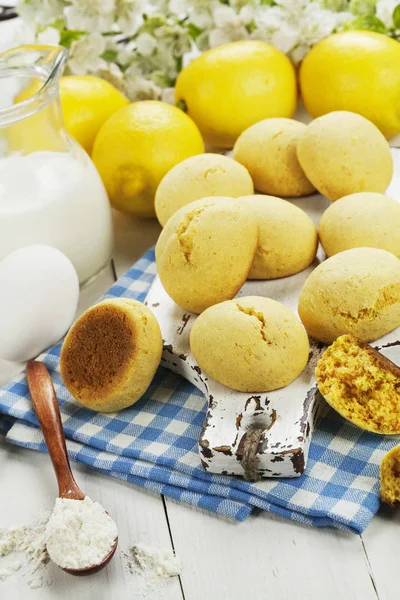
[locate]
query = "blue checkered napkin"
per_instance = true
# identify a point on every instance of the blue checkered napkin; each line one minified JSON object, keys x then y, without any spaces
{"x":154,"y":444}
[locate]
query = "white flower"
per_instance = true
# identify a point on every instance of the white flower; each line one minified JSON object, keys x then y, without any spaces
{"x":146,"y":44}
{"x":285,"y":38}
{"x":384,"y":11}
{"x":85,"y":54}
{"x":316,"y":23}
{"x":50,"y":35}
{"x":201,"y":19}
{"x":230,"y":26}
{"x":137,"y":87}
{"x":177,"y":7}
{"x":168,"y":95}
{"x":113,"y":74}
{"x":128,"y":15}
{"x":40,"y":11}
{"x":90,"y":15}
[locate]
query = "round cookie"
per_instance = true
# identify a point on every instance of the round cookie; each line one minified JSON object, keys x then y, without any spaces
{"x":356,"y":291}
{"x":205,"y":251}
{"x":197,"y":177}
{"x":366,"y":219}
{"x":250,"y":344}
{"x":110,"y":354}
{"x":288,"y":237}
{"x":268,"y":150}
{"x":343,"y":153}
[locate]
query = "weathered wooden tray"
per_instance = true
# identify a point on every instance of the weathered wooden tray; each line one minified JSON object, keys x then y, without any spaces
{"x":261,"y":434}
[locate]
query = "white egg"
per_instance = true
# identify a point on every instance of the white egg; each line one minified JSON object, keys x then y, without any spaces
{"x":39,"y":292}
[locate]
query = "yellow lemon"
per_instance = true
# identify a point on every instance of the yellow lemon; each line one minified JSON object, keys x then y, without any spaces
{"x":87,"y":103}
{"x":229,"y":88}
{"x":137,"y":146}
{"x":357,"y":71}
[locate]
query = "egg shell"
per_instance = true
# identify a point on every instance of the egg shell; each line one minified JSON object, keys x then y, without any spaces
{"x":39,"y":292}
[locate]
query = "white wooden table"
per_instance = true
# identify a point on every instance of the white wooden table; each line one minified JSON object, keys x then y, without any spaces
{"x":263,"y":558}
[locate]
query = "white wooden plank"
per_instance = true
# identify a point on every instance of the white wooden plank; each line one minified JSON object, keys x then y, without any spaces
{"x":133,"y":238}
{"x":28,"y":487}
{"x":266,"y":557}
{"x":382,"y":545}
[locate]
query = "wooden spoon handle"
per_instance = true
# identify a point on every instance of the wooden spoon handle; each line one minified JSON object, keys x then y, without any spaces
{"x":48,"y":412}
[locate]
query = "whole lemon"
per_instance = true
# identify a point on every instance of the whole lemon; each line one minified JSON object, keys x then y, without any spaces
{"x":88,"y":102}
{"x":229,"y":88}
{"x":356,"y":71}
{"x":137,"y":146}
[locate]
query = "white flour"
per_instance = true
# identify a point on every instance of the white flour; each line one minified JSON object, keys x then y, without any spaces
{"x":154,"y":565}
{"x":79,"y":533}
{"x":24,"y":548}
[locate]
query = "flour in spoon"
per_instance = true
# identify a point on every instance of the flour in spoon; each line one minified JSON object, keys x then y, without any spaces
{"x":79,"y":533}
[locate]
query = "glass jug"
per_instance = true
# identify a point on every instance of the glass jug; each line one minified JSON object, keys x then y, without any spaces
{"x":50,"y":191}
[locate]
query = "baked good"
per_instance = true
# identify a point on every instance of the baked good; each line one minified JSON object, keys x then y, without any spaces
{"x":288,"y":237}
{"x":250,"y":344}
{"x":356,"y":291}
{"x":268,"y":150}
{"x":197,"y":177}
{"x":205,"y":252}
{"x":343,"y":153}
{"x":363,"y":219}
{"x":390,"y":477}
{"x":110,"y":354}
{"x":361,"y":384}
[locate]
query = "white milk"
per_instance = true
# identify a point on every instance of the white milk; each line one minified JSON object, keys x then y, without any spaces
{"x":58,"y":199}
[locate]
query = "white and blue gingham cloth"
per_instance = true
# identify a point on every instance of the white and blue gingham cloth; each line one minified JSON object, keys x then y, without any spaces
{"x":154,"y":444}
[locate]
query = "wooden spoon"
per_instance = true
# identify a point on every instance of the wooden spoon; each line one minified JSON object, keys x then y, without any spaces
{"x":48,"y":413}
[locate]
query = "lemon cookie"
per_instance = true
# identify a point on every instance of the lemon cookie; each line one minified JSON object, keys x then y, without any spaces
{"x":343,"y":153}
{"x":110,"y":354}
{"x":356,"y":291}
{"x":199,"y":177}
{"x":205,"y":252}
{"x":250,"y":344}
{"x":390,"y":477}
{"x":364,"y":219}
{"x":288,"y":238}
{"x":268,"y":150}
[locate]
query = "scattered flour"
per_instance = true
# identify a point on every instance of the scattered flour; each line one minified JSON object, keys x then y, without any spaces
{"x":154,"y":565}
{"x":23,"y":548}
{"x":79,"y":533}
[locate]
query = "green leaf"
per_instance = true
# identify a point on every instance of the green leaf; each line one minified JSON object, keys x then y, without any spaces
{"x":67,"y":36}
{"x":396,"y":17}
{"x":194,"y":31}
{"x":110,"y":55}
{"x":362,"y":7}
{"x":267,"y":2}
{"x":368,"y":23}
{"x":251,"y":26}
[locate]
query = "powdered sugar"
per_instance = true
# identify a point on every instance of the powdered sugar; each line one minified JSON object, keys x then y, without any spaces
{"x":79,"y":533}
